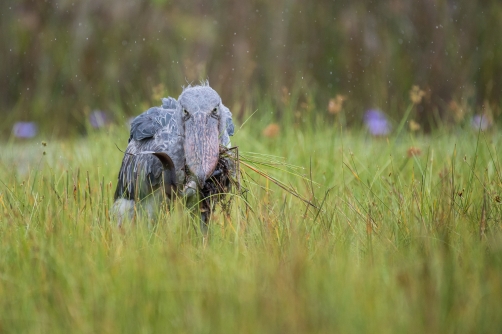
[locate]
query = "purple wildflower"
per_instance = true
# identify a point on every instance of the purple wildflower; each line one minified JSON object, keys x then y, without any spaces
{"x":98,"y":119}
{"x":25,"y":129}
{"x":376,"y":122}
{"x":480,"y":122}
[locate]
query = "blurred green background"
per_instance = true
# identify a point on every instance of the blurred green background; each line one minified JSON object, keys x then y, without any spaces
{"x":63,"y":59}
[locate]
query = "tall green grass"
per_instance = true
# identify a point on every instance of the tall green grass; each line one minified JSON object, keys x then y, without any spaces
{"x":397,"y":243}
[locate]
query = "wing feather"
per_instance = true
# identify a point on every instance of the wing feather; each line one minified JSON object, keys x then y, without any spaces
{"x":148,"y":123}
{"x":140,"y":174}
{"x":155,"y":130}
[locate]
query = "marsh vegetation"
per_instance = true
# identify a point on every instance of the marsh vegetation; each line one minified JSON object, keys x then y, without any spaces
{"x":406,"y":235}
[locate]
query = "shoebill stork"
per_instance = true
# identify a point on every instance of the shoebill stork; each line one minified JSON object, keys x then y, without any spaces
{"x":173,"y":151}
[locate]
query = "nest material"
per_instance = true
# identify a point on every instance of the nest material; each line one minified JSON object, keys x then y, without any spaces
{"x":218,"y":185}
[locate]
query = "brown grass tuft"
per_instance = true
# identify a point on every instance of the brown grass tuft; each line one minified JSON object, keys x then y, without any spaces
{"x":413,"y":151}
{"x":272,"y":130}
{"x":335,"y":105}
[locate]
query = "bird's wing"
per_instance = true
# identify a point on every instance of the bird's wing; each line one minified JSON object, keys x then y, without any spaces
{"x":226,"y":127}
{"x":230,"y":126}
{"x":169,"y":103}
{"x":140,"y":173}
{"x":155,"y":130}
{"x":148,"y":123}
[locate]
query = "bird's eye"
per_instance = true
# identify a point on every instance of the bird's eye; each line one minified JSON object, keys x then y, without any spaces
{"x":215,"y":111}
{"x":185,"y":112}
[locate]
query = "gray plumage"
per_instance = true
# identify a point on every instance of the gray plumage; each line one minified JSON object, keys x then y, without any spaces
{"x":173,"y":150}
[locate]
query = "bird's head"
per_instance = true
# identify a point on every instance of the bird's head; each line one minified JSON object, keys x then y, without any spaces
{"x":206,"y":124}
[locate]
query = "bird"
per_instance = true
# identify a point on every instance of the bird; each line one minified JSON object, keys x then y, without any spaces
{"x":174,"y":152}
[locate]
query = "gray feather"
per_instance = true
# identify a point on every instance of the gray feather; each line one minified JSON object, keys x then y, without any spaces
{"x":169,"y":103}
{"x":148,"y":123}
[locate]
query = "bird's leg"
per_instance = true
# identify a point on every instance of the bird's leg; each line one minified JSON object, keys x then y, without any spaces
{"x":204,"y":220}
{"x":204,"y":227}
{"x":191,"y":194}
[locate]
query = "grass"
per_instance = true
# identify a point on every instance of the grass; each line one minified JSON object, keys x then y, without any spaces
{"x":398,"y":243}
